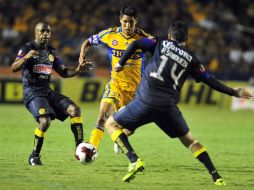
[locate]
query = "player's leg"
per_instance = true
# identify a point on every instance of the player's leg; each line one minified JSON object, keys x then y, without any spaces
{"x":76,"y":123}
{"x":200,"y":152}
{"x":64,"y":107}
{"x":130,"y":117}
{"x":39,"y":134}
{"x":109,"y":104}
{"x":118,"y":136}
{"x":43,"y":114}
{"x":174,"y":125}
{"x":125,"y":97}
{"x":107,"y":108}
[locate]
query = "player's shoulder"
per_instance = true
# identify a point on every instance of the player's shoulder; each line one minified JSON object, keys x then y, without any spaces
{"x":114,"y":29}
{"x":110,"y":30}
{"x":28,"y":45}
{"x":51,"y":48}
{"x":141,"y":32}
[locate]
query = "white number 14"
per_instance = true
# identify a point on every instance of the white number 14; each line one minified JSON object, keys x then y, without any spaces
{"x":158,"y":76}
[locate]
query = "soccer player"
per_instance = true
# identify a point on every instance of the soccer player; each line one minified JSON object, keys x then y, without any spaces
{"x":157,"y":96}
{"x":121,"y":87}
{"x":35,"y":60}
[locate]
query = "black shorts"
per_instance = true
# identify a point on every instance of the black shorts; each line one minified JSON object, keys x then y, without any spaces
{"x":53,"y":105}
{"x":136,"y":114}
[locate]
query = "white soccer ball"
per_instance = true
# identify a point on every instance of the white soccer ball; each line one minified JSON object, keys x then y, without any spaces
{"x":86,"y":153}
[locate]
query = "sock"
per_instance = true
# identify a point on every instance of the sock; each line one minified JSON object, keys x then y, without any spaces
{"x":203,"y":156}
{"x":38,"y":141}
{"x":121,"y":139}
{"x":96,"y":136}
{"x":77,"y":129}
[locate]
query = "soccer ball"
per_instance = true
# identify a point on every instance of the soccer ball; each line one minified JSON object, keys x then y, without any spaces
{"x":86,"y":153}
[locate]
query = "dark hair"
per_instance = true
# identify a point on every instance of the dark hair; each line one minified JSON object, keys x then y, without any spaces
{"x":129,"y":10}
{"x":179,"y":31}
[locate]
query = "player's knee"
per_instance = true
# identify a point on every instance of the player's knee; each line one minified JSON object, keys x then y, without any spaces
{"x":44,"y":123}
{"x":110,"y":123}
{"x":74,"y":110}
{"x":188,"y":140}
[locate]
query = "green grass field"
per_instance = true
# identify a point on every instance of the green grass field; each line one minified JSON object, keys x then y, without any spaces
{"x":227,"y":135}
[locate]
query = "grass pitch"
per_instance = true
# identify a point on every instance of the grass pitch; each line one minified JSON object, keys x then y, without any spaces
{"x":227,"y":135}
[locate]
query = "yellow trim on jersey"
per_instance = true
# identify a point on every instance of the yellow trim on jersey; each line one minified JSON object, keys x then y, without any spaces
{"x":111,"y":101}
{"x":39,"y":133}
{"x":116,"y":134}
{"x":76,"y":120}
{"x":198,"y":152}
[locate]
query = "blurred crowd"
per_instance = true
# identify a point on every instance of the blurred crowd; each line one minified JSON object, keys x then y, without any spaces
{"x":221,"y":32}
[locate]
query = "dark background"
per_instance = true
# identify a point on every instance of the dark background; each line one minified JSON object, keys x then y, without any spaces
{"x":221,"y":32}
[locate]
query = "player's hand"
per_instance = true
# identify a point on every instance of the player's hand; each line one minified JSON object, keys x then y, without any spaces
{"x":243,"y":93}
{"x":85,"y":66}
{"x":118,"y":67}
{"x":31,"y":53}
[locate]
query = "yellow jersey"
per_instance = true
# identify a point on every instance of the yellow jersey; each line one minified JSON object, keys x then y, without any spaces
{"x":117,"y":43}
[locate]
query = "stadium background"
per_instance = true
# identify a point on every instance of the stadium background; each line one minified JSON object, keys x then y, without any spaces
{"x":221,"y":34}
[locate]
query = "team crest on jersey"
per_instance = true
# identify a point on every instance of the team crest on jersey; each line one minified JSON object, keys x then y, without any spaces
{"x":42,"y":111}
{"x":51,"y":57}
{"x":114,"y":42}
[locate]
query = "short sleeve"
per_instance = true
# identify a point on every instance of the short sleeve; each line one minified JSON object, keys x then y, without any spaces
{"x":23,"y":51}
{"x":100,"y":38}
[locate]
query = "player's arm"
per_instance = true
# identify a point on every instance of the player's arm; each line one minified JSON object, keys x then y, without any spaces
{"x":83,"y":50}
{"x":144,"y":44}
{"x":100,"y":38}
{"x":21,"y":60}
{"x":200,"y":74}
{"x":217,"y":85}
{"x":70,"y":72}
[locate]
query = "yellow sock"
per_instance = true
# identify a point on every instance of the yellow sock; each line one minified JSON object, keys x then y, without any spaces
{"x":198,"y":152}
{"x":39,"y":133}
{"x":116,"y":134}
{"x":119,"y":137}
{"x":96,"y":137}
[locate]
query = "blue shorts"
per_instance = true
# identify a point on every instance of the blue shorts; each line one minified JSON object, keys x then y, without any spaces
{"x":53,"y":105}
{"x":136,"y":114}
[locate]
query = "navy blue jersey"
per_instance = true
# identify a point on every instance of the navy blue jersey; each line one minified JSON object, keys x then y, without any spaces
{"x":166,"y":72}
{"x":36,"y":72}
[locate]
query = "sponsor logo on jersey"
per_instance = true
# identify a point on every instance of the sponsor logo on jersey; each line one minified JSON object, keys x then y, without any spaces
{"x":42,"y":69}
{"x":42,"y":111}
{"x":51,"y":57}
{"x":114,"y":42}
{"x":119,"y":53}
{"x":169,"y":46}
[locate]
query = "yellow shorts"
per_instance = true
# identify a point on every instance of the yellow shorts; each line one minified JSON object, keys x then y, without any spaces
{"x":116,"y":95}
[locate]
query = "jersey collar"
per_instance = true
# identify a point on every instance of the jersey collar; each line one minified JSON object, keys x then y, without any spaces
{"x":129,"y":37}
{"x":37,"y":46}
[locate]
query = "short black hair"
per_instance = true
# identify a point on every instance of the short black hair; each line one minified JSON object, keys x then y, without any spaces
{"x":179,"y":31}
{"x":129,"y":10}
